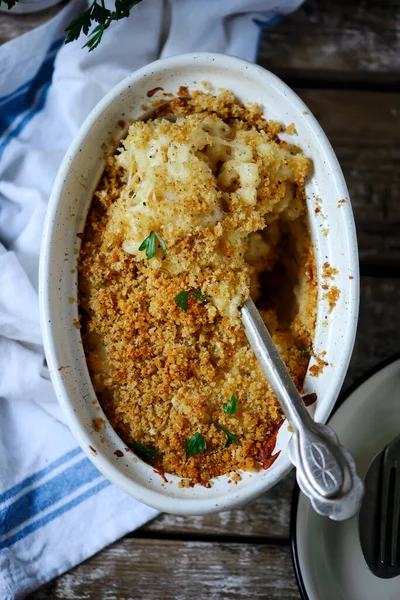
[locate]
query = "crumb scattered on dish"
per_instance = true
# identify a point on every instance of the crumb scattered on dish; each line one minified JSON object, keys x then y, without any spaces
{"x":332,"y":293}
{"x":98,"y":424}
{"x":332,"y":296}
{"x":291,"y":129}
{"x":329,"y":272}
{"x":317,"y":368}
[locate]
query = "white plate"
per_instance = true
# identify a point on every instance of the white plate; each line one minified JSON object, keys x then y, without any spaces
{"x":327,"y":555}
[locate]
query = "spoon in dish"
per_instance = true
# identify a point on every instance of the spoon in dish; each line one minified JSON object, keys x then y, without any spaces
{"x":325,"y":470}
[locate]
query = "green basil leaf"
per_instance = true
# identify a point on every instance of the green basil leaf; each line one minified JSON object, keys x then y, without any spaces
{"x":182,"y":300}
{"x":196,"y":445}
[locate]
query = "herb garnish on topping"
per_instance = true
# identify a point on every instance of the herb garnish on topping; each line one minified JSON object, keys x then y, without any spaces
{"x":182,"y":300}
{"x":231,"y":438}
{"x":143,"y":451}
{"x":196,"y":445}
{"x":199,"y":296}
{"x":149,"y":244}
{"x":230,"y":407}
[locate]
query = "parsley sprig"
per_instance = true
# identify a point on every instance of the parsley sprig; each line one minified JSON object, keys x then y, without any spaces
{"x":96,"y":13}
{"x":144,"y":452}
{"x":230,"y":407}
{"x":196,"y":445}
{"x":150,"y":245}
{"x":231,"y":439}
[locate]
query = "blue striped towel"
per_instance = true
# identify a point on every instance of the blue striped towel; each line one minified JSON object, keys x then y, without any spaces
{"x":56,"y":509}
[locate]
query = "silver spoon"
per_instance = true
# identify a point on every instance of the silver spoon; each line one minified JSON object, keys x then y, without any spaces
{"x":326,"y":471}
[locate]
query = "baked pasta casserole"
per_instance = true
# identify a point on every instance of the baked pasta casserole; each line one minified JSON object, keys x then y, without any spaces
{"x":191,"y":216}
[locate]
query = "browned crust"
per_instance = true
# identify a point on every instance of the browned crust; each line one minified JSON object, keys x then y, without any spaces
{"x":162,"y":374}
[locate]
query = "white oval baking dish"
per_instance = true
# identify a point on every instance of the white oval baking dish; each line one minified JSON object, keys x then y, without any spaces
{"x":333,"y":234}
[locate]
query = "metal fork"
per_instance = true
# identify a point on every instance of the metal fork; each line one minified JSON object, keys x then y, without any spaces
{"x":379,"y":517}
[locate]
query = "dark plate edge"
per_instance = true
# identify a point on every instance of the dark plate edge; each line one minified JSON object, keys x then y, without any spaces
{"x":296,"y":491}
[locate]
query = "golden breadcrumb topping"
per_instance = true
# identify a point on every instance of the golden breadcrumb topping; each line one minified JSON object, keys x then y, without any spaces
{"x":221,"y":199}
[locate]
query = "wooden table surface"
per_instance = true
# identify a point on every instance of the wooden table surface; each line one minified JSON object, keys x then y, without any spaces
{"x":343,"y":58}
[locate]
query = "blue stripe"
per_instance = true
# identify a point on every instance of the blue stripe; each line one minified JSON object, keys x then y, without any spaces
{"x":39,"y":474}
{"x":16,"y":92}
{"x":15,"y":132}
{"x":54,"y":46}
{"x":263,"y":25}
{"x":41,"y":498}
{"x":24,"y":98}
{"x":14,"y":106}
{"x":51,"y":516}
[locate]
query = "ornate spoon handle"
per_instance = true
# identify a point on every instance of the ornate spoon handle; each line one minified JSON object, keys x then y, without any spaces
{"x":326,"y":471}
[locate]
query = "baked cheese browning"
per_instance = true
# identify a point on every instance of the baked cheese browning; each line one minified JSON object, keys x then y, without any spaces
{"x":207,"y":188}
{"x":226,"y":216}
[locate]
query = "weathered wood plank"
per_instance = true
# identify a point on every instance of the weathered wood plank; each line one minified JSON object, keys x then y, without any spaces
{"x":378,"y":335}
{"x":331,"y":41}
{"x":364,"y":129}
{"x":170,"y":570}
{"x":336,"y":40}
{"x":266,"y":517}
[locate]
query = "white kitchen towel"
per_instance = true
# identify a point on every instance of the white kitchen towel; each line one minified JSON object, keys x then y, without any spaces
{"x":56,"y":509}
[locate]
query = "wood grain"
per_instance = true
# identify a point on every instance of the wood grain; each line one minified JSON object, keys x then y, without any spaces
{"x":265,"y":517}
{"x":330,"y":42}
{"x":378,"y":334}
{"x":139,"y":569}
{"x":336,"y":41}
{"x":364,"y":129}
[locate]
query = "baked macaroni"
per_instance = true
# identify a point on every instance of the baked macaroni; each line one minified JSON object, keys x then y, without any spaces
{"x":189,"y":218}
